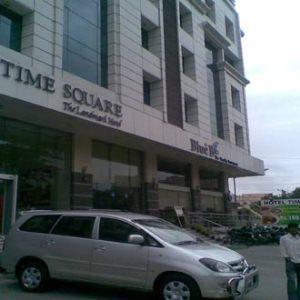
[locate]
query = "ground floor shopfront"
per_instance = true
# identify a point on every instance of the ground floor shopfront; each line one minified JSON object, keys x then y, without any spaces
{"x":49,"y":167}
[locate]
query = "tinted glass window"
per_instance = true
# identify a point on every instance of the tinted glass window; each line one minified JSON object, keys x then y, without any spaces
{"x":41,"y":224}
{"x":116,"y":231}
{"x":117,"y":175}
{"x":41,"y":157}
{"x":10,"y":29}
{"x":75,"y":226}
{"x":85,"y":39}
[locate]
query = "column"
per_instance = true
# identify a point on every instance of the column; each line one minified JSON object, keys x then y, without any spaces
{"x":82,"y":179}
{"x":195,"y":187}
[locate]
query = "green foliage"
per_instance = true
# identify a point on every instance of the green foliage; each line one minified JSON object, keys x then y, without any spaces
{"x":296,"y":193}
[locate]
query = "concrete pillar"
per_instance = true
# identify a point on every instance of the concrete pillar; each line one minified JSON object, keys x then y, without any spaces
{"x":150,"y":184}
{"x":195,"y":187}
{"x":224,"y":188}
{"x":82,"y":179}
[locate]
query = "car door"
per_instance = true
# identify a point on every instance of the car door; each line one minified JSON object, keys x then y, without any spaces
{"x":115,"y":261}
{"x":68,"y":248}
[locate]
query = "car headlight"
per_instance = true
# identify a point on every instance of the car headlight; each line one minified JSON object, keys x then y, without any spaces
{"x":216,"y":265}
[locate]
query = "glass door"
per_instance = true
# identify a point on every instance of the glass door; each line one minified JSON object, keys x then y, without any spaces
{"x":8,"y":199}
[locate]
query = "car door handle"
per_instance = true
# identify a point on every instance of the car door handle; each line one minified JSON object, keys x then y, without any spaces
{"x":50,"y":242}
{"x":100,"y":248}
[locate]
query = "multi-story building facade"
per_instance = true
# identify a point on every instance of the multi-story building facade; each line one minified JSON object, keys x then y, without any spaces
{"x":131,"y":104}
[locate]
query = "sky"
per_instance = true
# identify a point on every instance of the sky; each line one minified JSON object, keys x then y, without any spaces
{"x":271,"y":48}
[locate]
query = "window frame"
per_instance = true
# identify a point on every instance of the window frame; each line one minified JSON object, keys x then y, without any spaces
{"x":142,"y":232}
{"x":73,"y":236}
{"x":236,"y":98}
{"x":239,"y":136}
{"x":229,"y":29}
{"x":17,"y":20}
{"x":37,"y":216}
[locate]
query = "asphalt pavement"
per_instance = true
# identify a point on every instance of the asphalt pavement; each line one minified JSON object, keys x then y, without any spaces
{"x":272,"y":283}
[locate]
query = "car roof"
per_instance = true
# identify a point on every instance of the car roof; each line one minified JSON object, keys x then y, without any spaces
{"x":92,"y":212}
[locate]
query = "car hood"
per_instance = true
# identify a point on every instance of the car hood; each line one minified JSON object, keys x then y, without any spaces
{"x":213,"y":251}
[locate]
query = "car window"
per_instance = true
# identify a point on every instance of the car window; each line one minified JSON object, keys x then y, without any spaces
{"x":116,"y":231}
{"x":40,"y":224}
{"x":76,"y":226}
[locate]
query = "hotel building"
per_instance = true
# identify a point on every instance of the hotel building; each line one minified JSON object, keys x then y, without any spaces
{"x":121,"y":104}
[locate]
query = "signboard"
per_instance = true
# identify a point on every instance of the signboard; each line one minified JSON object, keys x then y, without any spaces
{"x":78,"y":102}
{"x":285,"y":210}
{"x":210,"y":151}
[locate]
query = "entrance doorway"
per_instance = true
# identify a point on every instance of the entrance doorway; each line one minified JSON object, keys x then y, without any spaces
{"x":8,"y":200}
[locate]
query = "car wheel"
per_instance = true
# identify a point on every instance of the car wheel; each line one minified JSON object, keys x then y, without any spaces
{"x":33,"y":276}
{"x":178,"y":287}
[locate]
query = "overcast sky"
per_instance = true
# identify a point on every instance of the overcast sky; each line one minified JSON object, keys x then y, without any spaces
{"x":272,"y":62}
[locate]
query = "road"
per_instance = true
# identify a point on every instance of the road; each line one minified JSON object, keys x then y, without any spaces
{"x":267,"y":258}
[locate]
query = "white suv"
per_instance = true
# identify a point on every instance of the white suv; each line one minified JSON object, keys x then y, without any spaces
{"x":122,"y":249}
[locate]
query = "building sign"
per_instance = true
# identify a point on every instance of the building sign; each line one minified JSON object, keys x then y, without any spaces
{"x":79,"y":102}
{"x":210,"y":151}
{"x":285,"y":210}
{"x":102,"y":110}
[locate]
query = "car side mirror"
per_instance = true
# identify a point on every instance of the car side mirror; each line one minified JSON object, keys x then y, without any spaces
{"x":136,"y":239}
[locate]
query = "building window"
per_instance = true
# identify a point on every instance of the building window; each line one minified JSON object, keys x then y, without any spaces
{"x":117,"y":177}
{"x":10,"y":29}
{"x":239,"y":135}
{"x":229,"y":29}
{"x":150,"y":36}
{"x":41,"y":157}
{"x":185,"y":19}
{"x":209,"y":181}
{"x":236,"y":101}
{"x":145,"y":39}
{"x":147,"y":92}
{"x":191,"y":110}
{"x":85,"y":39}
{"x":173,"y":173}
{"x":188,"y":63}
{"x":212,"y":11}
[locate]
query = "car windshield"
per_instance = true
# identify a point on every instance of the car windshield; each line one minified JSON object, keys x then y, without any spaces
{"x":168,"y":232}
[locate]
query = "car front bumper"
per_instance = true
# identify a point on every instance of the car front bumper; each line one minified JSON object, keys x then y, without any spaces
{"x":244,"y":283}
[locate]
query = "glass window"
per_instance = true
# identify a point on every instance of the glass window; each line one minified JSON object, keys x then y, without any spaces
{"x":75,"y":226}
{"x":147,"y":92}
{"x":41,"y":158}
{"x":172,"y":173}
{"x":85,"y":39}
{"x":236,"y":101}
{"x":169,"y":232}
{"x":209,"y":181}
{"x":40,"y":224}
{"x":239,"y":135}
{"x":212,"y":12}
{"x":145,"y":38}
{"x":117,"y":173}
{"x":116,"y":231}
{"x":10,"y":29}
{"x":229,"y":29}
{"x":119,"y":166}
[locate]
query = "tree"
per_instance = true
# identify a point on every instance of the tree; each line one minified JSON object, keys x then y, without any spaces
{"x":295,"y":193}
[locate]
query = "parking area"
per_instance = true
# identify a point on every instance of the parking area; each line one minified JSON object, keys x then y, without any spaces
{"x":267,"y":258}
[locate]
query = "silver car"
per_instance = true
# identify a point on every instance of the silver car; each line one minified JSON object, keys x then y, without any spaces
{"x":122,"y":249}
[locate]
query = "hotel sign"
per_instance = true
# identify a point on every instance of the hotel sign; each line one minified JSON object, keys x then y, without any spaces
{"x":78,"y":102}
{"x":210,"y":151}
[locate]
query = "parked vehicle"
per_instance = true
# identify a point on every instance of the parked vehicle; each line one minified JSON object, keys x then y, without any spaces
{"x":256,"y":235}
{"x":122,"y":249}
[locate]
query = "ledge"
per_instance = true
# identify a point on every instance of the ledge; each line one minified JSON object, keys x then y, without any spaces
{"x":224,"y":66}
{"x":201,"y":6}
{"x":215,"y":36}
